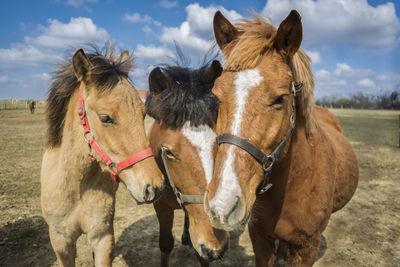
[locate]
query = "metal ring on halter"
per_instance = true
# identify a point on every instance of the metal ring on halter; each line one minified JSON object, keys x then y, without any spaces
{"x":269,"y":162}
{"x":298,"y":87}
{"x":114,"y":168}
{"x":87,"y":139}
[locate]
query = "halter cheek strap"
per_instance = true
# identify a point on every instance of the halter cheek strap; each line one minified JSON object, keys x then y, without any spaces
{"x":182,"y":199}
{"x":114,"y":168}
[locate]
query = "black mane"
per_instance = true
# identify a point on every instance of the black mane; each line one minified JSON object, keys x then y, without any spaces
{"x":188,"y":98}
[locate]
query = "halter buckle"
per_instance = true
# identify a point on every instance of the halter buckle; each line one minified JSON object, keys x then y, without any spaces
{"x":81,"y":112}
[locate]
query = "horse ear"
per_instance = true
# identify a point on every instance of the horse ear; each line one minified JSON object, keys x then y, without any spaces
{"x":158,"y":82}
{"x":224,"y":31}
{"x":125,"y":56}
{"x":212,"y":72}
{"x":81,"y":64}
{"x":289,"y":35}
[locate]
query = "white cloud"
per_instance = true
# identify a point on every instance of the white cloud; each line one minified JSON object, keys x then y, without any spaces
{"x":147,"y":30}
{"x":389,"y":76}
{"x":315,"y":56}
{"x":43,"y":76}
{"x":343,"y":69}
{"x":3,"y":79}
{"x":20,"y":55}
{"x":168,"y":4}
{"x":345,"y":80}
{"x":365,"y":83}
{"x":195,"y":35}
{"x":153,"y":52}
{"x":136,"y":17}
{"x":78,"y":31}
{"x":77,"y":3}
{"x":200,"y":19}
{"x":51,"y":43}
{"x":337,"y":21}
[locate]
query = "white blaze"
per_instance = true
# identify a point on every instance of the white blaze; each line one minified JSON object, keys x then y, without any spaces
{"x":229,"y":187}
{"x":202,"y":138}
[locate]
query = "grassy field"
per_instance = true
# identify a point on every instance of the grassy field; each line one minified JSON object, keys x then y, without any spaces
{"x":365,"y":233}
{"x":17,"y":104}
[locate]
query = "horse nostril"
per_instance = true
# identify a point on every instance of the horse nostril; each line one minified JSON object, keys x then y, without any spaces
{"x":149,"y":193}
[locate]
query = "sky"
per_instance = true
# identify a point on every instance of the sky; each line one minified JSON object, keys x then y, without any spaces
{"x":354,"y":44}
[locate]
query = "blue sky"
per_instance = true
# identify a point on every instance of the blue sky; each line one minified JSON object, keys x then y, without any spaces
{"x":354,"y":44}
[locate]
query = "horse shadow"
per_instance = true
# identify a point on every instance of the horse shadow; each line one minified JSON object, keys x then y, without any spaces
{"x":138,"y":246}
{"x":26,"y":242}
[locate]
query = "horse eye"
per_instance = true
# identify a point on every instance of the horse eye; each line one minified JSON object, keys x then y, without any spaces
{"x":169,"y":154}
{"x":279,"y":100}
{"x":104,"y":118}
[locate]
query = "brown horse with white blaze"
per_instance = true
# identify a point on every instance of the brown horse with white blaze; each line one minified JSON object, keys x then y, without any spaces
{"x":95,"y":119}
{"x":183,"y":141}
{"x":282,"y":163}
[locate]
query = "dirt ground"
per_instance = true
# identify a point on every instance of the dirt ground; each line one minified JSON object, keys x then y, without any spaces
{"x":364,"y":233}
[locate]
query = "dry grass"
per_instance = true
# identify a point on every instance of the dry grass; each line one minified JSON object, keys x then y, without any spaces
{"x":365,"y":233}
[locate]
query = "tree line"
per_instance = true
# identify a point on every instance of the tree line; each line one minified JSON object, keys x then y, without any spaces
{"x":363,"y":101}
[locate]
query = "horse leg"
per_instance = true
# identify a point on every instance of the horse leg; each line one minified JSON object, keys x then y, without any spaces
{"x":165,"y":216}
{"x":64,"y":247}
{"x":263,"y":246}
{"x":305,"y":255}
{"x":185,"y":235}
{"x":102,"y":243}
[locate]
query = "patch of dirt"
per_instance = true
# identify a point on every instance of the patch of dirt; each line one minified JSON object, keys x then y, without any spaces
{"x":366,"y":232}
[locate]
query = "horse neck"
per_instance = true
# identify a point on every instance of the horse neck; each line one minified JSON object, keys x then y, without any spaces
{"x":297,"y":147}
{"x":73,"y":149}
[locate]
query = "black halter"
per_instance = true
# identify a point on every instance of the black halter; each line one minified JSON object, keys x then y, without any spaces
{"x":267,"y":161}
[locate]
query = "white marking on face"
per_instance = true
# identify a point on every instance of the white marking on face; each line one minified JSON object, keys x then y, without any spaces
{"x":202,"y":138}
{"x":229,"y":187}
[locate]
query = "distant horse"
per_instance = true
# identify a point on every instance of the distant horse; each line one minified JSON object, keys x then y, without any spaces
{"x":287,"y":179}
{"x":32,"y":106}
{"x":95,"y":119}
{"x":183,"y":140}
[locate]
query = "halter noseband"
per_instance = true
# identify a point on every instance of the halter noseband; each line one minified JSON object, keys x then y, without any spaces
{"x":267,"y":161}
{"x":115,"y":168}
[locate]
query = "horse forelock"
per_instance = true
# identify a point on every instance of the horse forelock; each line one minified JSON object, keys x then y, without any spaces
{"x":256,"y":41}
{"x":188,"y":99}
{"x":108,"y":69}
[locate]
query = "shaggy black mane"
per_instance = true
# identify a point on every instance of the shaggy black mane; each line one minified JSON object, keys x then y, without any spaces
{"x":108,"y":69}
{"x":188,"y":99}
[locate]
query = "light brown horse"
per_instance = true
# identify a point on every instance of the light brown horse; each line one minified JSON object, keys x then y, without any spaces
{"x":275,"y":135}
{"x":77,"y":192}
{"x":183,"y":140}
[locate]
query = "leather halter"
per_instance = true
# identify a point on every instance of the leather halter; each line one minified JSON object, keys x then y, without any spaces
{"x":182,"y":199}
{"x":267,"y":161}
{"x":115,"y":168}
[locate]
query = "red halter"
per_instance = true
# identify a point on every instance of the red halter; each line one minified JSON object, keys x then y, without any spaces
{"x":115,"y":168}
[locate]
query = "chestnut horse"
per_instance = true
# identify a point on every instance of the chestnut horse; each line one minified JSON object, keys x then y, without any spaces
{"x":183,"y":140}
{"x":95,"y":118}
{"x":286,"y":179}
